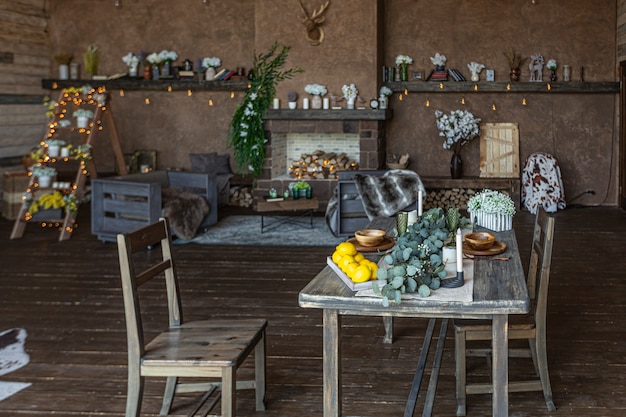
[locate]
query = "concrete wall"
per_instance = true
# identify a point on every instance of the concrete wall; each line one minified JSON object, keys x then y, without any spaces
{"x":361,"y":35}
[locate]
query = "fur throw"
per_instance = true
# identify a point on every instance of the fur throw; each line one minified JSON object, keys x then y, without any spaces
{"x":384,"y":196}
{"x":184,"y":210}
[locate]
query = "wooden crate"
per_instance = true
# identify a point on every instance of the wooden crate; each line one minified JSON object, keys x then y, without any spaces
{"x":499,"y":150}
{"x":14,"y":184}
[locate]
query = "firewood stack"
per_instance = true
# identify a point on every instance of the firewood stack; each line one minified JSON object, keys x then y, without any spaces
{"x":240,"y":196}
{"x":444,"y":198}
{"x":321,"y":165}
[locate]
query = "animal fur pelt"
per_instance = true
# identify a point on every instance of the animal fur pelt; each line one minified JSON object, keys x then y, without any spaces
{"x":185,"y":211}
{"x":384,"y":196}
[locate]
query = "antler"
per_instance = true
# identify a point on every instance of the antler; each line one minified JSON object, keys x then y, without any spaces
{"x":314,"y":32}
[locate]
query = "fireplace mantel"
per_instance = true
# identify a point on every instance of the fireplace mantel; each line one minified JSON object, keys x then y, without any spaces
{"x":343,"y":114}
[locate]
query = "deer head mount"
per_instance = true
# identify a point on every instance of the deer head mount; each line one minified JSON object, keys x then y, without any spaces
{"x":313,"y":23}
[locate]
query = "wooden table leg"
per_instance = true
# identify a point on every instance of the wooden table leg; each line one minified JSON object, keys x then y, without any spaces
{"x":500,"y":335}
{"x":332,"y":363}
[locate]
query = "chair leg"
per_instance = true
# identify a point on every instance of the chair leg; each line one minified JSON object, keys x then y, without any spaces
{"x":168,"y":395}
{"x":542,"y":364}
{"x":134,"y":394}
{"x":532,"y":343}
{"x":229,"y":389}
{"x":259,"y":373}
{"x":388,"y":323}
{"x":459,"y":353}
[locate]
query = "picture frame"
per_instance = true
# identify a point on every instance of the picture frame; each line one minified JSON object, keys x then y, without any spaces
{"x":418,"y":75}
{"x":490,"y":75}
{"x":145,"y":160}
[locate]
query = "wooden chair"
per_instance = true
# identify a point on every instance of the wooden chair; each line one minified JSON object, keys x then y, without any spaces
{"x":531,"y":327}
{"x":199,"y":349}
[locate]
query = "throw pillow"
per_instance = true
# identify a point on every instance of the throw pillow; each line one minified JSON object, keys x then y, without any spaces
{"x":210,"y":162}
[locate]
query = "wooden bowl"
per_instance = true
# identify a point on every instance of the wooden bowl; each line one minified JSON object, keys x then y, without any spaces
{"x":480,"y":240}
{"x":369,"y":237}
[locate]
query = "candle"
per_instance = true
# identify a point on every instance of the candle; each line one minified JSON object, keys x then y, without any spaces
{"x":459,"y":250}
{"x":305,"y":103}
{"x":419,"y":203}
{"x":276,"y":104}
{"x":412,"y":217}
{"x":326,"y":102}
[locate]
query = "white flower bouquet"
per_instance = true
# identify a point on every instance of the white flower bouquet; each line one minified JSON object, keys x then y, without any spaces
{"x":211,"y":62}
{"x":168,"y":56}
{"x":458,"y":127}
{"x":551,"y":65}
{"x":154,"y":58}
{"x":404,"y":59}
{"x":315,"y":89}
{"x":438,"y":60}
{"x":83,"y":113}
{"x":385,"y":91}
{"x":349,"y":91}
{"x":475,"y":67}
{"x":131,"y":60}
{"x":492,"y":209}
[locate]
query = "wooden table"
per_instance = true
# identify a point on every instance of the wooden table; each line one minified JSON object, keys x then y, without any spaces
{"x":499,"y":290}
{"x":303,"y":205}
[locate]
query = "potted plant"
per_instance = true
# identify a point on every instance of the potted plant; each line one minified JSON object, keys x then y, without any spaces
{"x":492,"y":209}
{"x":317,"y":91}
{"x":300,"y":189}
{"x":454,"y":221}
{"x":350,"y":93}
{"x":383,"y":97}
{"x":82,"y":117}
{"x":54,"y":147}
{"x":167,"y":57}
{"x":515,"y":62}
{"x":403,"y":61}
{"x":292,"y":99}
{"x":132,"y":61}
{"x":44,"y":174}
{"x":209,"y":64}
{"x":64,"y":59}
{"x":458,"y":128}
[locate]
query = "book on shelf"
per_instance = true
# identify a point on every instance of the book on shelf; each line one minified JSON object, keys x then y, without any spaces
{"x":273,"y":199}
{"x":456,"y":75}
{"x":220,"y":73}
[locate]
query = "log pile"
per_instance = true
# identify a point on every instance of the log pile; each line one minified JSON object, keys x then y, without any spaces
{"x":321,"y":165}
{"x":450,"y":197}
{"x":240,"y":196}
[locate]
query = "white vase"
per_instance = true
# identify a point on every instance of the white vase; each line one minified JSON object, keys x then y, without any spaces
{"x":475,"y":77}
{"x":449,"y":257}
{"x":209,"y":74}
{"x":316,"y":102}
{"x":64,"y":72}
{"x":166,"y":70}
{"x":350,"y":104}
{"x":65,"y":152}
{"x":132,"y":71}
{"x":81,"y":122}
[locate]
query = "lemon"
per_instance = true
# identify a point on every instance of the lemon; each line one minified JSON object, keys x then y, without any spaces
{"x":362,"y":273}
{"x":345,"y":260}
{"x":346,"y":248}
{"x":359,"y":257}
{"x":337,"y":257}
{"x":351,"y":268}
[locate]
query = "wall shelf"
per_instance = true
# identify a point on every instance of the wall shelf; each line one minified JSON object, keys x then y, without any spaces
{"x":504,"y":87}
{"x":129,"y":84}
{"x":338,"y":114}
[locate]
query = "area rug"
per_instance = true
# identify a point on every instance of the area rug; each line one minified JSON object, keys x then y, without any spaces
{"x":12,"y":357}
{"x":246,"y":230}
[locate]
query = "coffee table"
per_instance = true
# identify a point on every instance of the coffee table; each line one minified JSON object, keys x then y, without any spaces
{"x":300,"y":207}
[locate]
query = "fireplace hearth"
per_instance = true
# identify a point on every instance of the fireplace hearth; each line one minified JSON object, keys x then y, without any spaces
{"x":367,"y":127}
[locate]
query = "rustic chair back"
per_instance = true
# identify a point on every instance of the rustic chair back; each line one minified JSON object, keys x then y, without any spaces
{"x":532,"y":327}
{"x":200,"y":349}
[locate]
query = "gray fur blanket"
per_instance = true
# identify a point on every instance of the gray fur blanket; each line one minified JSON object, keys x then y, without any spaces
{"x":382,"y":196}
{"x":184,"y":210}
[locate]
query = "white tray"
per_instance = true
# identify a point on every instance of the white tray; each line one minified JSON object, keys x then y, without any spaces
{"x":354,"y":286}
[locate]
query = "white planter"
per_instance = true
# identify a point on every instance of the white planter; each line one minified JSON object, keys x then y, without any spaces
{"x":65,"y":152}
{"x":350,"y":104}
{"x":82,"y":122}
{"x":53,"y":151}
{"x":449,"y":257}
{"x":132,"y":71}
{"x":44,"y":182}
{"x":292,"y":105}
{"x":495,"y":222}
{"x":209,"y":74}
{"x":64,"y":72}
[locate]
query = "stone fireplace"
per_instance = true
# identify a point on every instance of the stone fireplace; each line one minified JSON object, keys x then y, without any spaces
{"x":358,"y":133}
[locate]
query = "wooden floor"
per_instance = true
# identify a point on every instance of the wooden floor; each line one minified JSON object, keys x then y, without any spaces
{"x":67,"y":295}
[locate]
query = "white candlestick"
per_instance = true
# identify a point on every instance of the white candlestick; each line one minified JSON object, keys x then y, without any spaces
{"x":326,"y":103}
{"x":305,"y":103}
{"x":459,"y":250}
{"x":276,"y":104}
{"x":419,"y":203}
{"x":412,"y":217}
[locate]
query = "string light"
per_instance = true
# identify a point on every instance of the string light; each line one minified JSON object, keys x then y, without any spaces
{"x":463,"y":100}
{"x":232,"y":94}
{"x":524,"y":101}
{"x":169,"y":88}
{"x":508,"y":86}
{"x":475,"y":87}
{"x":189,"y":93}
{"x":427,"y":103}
{"x":493,"y":107}
{"x":441,"y":86}
{"x":147,"y":100}
{"x":549,"y":87}
{"x":121,"y":93}
{"x":211,"y":102}
{"x":406,"y":91}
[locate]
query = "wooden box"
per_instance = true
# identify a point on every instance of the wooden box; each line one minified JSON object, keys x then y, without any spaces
{"x":499,"y":150}
{"x":14,"y":184}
